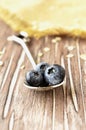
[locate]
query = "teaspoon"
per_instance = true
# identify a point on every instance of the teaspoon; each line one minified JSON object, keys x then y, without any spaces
{"x":21,"y":39}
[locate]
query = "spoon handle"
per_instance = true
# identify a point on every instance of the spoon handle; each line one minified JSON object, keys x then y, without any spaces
{"x":26,"y":49}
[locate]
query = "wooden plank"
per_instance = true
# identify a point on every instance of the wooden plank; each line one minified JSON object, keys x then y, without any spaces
{"x":75,"y":119}
{"x":63,"y":108}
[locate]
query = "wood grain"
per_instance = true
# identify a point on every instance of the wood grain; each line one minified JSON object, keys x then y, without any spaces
{"x":24,"y":109}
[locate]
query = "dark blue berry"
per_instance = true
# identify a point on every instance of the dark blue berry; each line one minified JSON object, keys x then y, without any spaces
{"x":44,"y":84}
{"x":42,"y":67}
{"x":54,"y":74}
{"x":34,"y":78}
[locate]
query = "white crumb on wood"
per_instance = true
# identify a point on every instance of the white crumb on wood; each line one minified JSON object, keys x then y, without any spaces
{"x":70,"y":47}
{"x":56,"y":39}
{"x":40,"y":54}
{"x":3,"y":51}
{"x":1,"y":63}
{"x":83,"y":57}
{"x":69,"y":55}
{"x":22,"y":67}
{"x":46,"y":49}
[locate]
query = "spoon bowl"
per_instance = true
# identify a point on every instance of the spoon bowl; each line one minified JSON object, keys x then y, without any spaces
{"x":42,"y":88}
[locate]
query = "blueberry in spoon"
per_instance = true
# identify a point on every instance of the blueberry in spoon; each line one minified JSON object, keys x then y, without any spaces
{"x":34,"y":78}
{"x":41,"y":67}
{"x":38,"y":82}
{"x":54,"y":74}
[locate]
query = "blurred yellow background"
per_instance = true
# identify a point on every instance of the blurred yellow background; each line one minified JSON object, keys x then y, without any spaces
{"x":41,"y":17}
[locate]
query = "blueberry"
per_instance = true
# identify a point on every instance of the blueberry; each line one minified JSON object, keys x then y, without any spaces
{"x":34,"y":78}
{"x":42,"y":67}
{"x":44,"y":84}
{"x":54,"y":74}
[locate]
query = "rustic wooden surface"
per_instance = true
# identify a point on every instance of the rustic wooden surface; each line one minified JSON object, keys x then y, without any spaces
{"x":61,"y":109}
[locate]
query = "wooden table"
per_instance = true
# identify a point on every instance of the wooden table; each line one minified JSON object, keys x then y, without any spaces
{"x":63,"y":108}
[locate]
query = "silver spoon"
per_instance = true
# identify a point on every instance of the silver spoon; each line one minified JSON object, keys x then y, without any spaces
{"x":21,"y":40}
